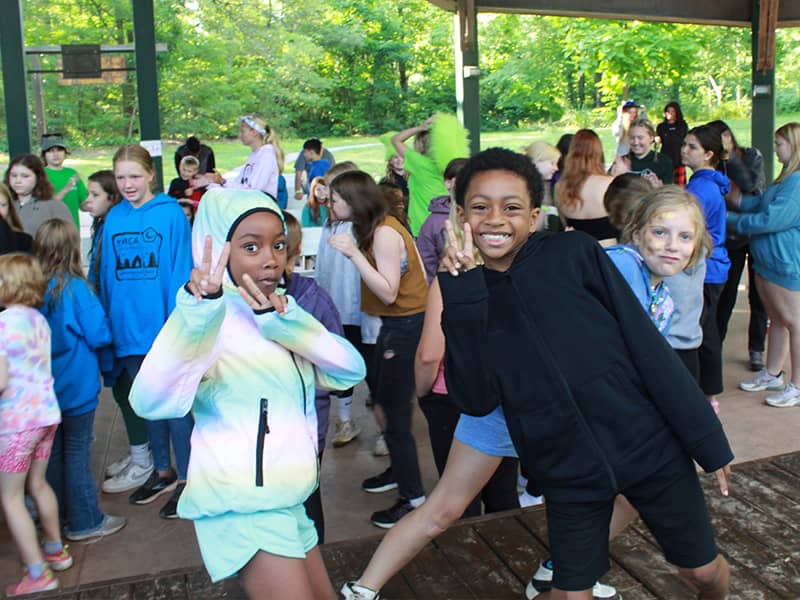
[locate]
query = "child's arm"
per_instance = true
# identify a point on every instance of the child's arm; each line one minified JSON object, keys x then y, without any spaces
{"x":387,"y":247}
{"x":399,"y":139}
{"x":338,"y":364}
{"x":91,"y":317}
{"x":668,"y":383}
{"x":431,"y":344}
{"x":782,"y":213}
{"x":186,"y":346}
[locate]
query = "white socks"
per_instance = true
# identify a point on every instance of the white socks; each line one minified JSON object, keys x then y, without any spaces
{"x":140,"y":455}
{"x":343,"y":406}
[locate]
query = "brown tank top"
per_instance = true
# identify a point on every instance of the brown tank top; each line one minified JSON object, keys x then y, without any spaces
{"x":413,"y":293}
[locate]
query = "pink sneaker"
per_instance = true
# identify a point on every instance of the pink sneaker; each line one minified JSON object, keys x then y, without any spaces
{"x":45,"y":583}
{"x":60,"y":561}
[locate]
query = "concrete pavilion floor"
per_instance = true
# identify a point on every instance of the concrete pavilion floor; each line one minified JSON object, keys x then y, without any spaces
{"x":150,"y":545}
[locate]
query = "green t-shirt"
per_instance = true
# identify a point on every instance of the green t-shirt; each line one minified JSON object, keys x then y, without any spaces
{"x":425,"y":181}
{"x":59,"y":178}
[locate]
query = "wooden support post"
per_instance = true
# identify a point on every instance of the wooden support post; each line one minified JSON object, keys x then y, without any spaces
{"x":147,"y":83}
{"x":468,"y":72}
{"x":15,"y":82}
{"x":762,"y":120}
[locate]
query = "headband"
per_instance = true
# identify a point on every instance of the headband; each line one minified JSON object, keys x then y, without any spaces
{"x":251,"y":122}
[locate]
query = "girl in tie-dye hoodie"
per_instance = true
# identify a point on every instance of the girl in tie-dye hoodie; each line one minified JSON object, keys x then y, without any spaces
{"x":245,"y":359}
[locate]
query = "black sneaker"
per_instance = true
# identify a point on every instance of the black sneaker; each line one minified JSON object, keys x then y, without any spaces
{"x":389,"y":517}
{"x":170,"y":509}
{"x":380,"y":483}
{"x":542,"y":581}
{"x":154,"y":487}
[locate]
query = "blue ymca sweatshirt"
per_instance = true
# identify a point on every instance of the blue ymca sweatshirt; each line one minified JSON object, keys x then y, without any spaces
{"x":709,"y":187}
{"x":146,"y":259}
{"x":79,"y":328}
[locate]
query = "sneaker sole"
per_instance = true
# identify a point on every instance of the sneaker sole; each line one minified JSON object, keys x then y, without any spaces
{"x":61,"y":566}
{"x":129,"y":487}
{"x":339,"y":442}
{"x":761,"y":388}
{"x":780,"y":404}
{"x":531,"y":592}
{"x":48,"y":588}
{"x":94,"y":535}
{"x":379,"y":490}
{"x":171,"y":487}
{"x":383,"y":525}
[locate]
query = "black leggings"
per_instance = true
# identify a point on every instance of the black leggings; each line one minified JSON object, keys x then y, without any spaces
{"x":500,"y":492}
{"x":710,"y":351}
{"x":313,"y":505}
{"x":367,"y":352}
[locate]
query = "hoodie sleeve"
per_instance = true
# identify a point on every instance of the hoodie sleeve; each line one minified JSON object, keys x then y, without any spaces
{"x":668,"y":383}
{"x":781,"y":213}
{"x":337,"y":363}
{"x":90,"y":316}
{"x":181,"y":258}
{"x":182,"y":353}
{"x":465,"y":318}
{"x":426,"y":244}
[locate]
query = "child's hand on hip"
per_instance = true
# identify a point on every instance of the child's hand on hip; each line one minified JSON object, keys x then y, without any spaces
{"x":458,"y":257}
{"x":203,"y":280}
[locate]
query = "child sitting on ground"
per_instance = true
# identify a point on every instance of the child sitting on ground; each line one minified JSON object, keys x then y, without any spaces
{"x":244,"y":358}
{"x":29,"y":416}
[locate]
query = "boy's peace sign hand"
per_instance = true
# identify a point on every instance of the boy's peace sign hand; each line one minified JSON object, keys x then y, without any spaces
{"x":457,"y":257}
{"x":203,"y":280}
{"x":257,"y":300}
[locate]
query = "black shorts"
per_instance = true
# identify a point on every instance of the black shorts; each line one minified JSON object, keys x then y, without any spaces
{"x":671,"y":504}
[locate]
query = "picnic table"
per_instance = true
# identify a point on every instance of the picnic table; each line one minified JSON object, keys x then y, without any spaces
{"x":492,"y":557}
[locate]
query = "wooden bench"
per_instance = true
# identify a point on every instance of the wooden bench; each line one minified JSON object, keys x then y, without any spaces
{"x":492,"y":557}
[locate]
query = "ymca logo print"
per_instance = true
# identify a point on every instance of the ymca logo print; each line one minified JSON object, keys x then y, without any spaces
{"x":137,"y":254}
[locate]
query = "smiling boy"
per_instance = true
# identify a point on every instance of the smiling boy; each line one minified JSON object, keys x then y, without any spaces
{"x":550,"y":330}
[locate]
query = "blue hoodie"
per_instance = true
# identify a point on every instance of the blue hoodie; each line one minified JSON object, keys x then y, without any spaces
{"x":79,"y":328}
{"x":318,"y":303}
{"x":146,"y":259}
{"x":709,"y":187}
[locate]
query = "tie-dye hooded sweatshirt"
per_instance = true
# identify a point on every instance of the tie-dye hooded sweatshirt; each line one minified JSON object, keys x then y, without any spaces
{"x":249,"y":380}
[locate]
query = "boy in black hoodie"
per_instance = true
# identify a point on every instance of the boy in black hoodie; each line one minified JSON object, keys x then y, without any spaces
{"x":597,"y":403}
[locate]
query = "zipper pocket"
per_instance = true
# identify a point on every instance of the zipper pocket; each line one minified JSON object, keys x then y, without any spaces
{"x":263,"y":430}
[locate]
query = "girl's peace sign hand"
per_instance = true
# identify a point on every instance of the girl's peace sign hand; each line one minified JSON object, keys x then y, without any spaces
{"x":203,"y":280}
{"x":257,"y":300}
{"x":457,"y":257}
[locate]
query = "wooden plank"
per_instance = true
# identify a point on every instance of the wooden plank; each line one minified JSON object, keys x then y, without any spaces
{"x":514,"y":543}
{"x":779,"y":480}
{"x":199,"y":587}
{"x":477,"y":565}
{"x":430,"y":575}
{"x":630,"y":587}
{"x":172,"y":587}
{"x":789,"y":462}
{"x":762,"y":497}
{"x":109,"y":592}
{"x":346,"y":560}
{"x":744,"y":584}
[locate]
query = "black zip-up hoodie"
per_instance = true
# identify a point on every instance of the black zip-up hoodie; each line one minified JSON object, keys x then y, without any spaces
{"x":594,"y":397}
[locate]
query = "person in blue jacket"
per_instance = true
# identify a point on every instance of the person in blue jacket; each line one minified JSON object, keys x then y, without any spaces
{"x":146,"y":259}
{"x":701,"y":151}
{"x":773,"y":222}
{"x":79,"y":328}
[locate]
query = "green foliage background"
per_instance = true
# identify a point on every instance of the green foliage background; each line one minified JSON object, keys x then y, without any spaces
{"x":362,"y":67}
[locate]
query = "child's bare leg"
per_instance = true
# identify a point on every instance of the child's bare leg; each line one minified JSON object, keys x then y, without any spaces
{"x":466,"y":473}
{"x":624,"y":514}
{"x":713,"y":579}
{"x":321,"y":585}
{"x":12,"y":496}
{"x":272,"y":577}
{"x":45,"y":499}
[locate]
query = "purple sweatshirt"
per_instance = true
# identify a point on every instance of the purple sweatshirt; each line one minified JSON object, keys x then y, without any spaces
{"x":430,"y":242}
{"x":316,"y":301}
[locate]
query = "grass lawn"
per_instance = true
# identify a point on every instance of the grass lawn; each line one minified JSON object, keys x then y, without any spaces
{"x":367,"y":152}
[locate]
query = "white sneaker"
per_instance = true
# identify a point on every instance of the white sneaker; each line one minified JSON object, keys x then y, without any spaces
{"x":353,"y":591}
{"x":118,"y":466}
{"x":380,"y":448}
{"x":128,"y":479}
{"x":346,"y":432}
{"x":763,"y":380}
{"x":790,"y":396}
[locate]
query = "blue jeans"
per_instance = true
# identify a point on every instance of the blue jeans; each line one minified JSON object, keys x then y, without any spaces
{"x":180,"y":431}
{"x":69,"y":475}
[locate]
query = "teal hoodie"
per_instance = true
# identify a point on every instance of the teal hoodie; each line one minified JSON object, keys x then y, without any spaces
{"x":249,"y":380}
{"x":772,"y":220}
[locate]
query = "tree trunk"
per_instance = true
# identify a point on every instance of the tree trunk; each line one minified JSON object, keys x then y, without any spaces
{"x":717,"y":88}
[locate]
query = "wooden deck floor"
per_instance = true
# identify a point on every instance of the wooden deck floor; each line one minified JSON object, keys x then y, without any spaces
{"x":758,"y":530}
